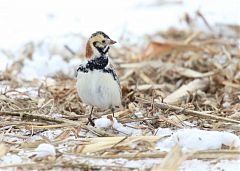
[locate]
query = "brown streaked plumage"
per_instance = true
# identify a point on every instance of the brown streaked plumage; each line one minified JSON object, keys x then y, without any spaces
{"x":89,"y":51}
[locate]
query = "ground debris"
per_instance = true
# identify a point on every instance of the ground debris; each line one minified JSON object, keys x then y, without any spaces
{"x":187,"y":80}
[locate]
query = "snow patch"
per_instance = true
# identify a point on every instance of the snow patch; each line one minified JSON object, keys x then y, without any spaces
{"x":75,"y":17}
{"x":11,"y":159}
{"x":126,"y":130}
{"x":50,"y":134}
{"x":103,"y":123}
{"x":163,"y":132}
{"x":5,"y":61}
{"x":139,"y":114}
{"x":194,"y":139}
{"x":133,"y":164}
{"x":3,"y":87}
{"x":228,"y":165}
{"x":190,"y":165}
{"x":41,"y":66}
{"x":44,"y":150}
{"x":107,"y":123}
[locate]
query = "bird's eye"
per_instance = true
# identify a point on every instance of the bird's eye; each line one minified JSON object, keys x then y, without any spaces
{"x":103,"y":41}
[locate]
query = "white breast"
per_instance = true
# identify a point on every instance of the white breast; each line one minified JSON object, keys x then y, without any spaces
{"x":98,"y":89}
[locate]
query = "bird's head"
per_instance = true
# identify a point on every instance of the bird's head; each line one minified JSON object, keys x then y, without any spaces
{"x":98,"y":44}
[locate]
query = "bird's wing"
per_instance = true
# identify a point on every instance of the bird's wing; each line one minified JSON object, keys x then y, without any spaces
{"x":114,"y":75}
{"x":81,"y":68}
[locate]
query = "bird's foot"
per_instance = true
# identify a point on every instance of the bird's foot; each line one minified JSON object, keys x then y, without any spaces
{"x":90,"y":121}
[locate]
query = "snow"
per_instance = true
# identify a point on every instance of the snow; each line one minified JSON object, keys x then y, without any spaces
{"x":126,"y":130}
{"x":103,"y":122}
{"x":50,"y":134}
{"x":163,"y":132}
{"x":44,"y":150}
{"x":11,"y":159}
{"x":123,"y":130}
{"x":50,"y":25}
{"x":189,"y":139}
{"x":144,"y":164}
{"x":195,"y":139}
{"x":139,"y":114}
{"x":181,"y":136}
{"x":36,"y":20}
{"x":133,"y":164}
{"x":19,"y":93}
{"x":5,"y":61}
{"x":227,"y":165}
{"x":31,"y":92}
{"x":226,"y":104}
{"x":42,"y":66}
{"x":4,"y":87}
{"x":190,"y":165}
{"x":47,"y":59}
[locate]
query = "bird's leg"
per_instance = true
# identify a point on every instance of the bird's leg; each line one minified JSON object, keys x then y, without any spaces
{"x":112,"y":112}
{"x":90,"y":118}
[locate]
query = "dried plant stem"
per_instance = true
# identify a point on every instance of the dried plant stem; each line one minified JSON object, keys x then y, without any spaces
{"x":208,"y":154}
{"x":59,"y":120}
{"x":70,"y":50}
{"x":172,"y":160}
{"x":204,"y":20}
{"x":47,"y":126}
{"x":41,"y":166}
{"x":182,"y":93}
{"x":19,"y":165}
{"x":165,"y":106}
{"x":34,"y":116}
{"x":194,"y":113}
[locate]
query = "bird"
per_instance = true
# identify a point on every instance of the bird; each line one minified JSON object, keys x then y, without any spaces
{"x":97,"y":83}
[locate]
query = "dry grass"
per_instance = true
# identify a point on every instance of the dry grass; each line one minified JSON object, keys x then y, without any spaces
{"x":191,"y":76}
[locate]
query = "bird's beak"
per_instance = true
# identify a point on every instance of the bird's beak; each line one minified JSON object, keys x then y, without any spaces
{"x":111,"y":42}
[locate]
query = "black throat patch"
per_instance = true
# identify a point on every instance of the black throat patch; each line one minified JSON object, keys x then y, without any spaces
{"x":97,"y":63}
